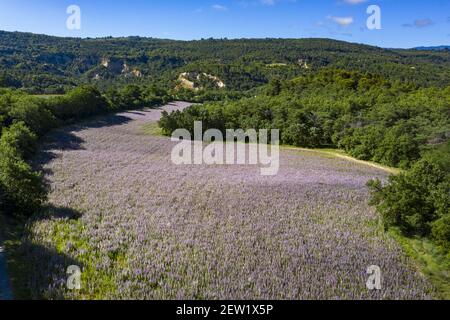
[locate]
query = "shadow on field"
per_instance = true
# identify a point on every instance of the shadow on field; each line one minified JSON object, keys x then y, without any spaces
{"x":38,"y":271}
{"x":101,"y":122}
{"x":43,"y":276}
{"x":66,"y":139}
{"x":51,"y":212}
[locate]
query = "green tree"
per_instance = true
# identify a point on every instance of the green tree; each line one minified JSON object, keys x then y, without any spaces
{"x":79,"y":103}
{"x":34,"y":114}
{"x":417,"y":201}
{"x":18,"y":139}
{"x":23,"y":190}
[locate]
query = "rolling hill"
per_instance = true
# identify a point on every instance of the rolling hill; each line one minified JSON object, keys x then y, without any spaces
{"x":46,"y":64}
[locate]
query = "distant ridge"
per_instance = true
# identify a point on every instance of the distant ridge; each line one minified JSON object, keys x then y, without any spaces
{"x":53,"y":65}
{"x":436,"y":48}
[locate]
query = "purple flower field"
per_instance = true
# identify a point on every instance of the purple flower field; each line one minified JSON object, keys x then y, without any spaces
{"x":143,"y":228}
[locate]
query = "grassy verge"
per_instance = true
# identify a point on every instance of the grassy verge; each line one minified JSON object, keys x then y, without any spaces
{"x":96,"y":284}
{"x":25,"y":274}
{"x":432,"y":260}
{"x":152,"y":129}
{"x":336,"y":153}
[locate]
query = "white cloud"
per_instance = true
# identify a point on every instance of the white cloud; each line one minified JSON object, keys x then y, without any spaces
{"x":342,"y":21}
{"x":219,"y":7}
{"x":419,"y":23}
{"x":422,"y":23}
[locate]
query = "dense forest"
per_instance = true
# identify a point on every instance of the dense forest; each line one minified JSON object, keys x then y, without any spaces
{"x":387,"y":106}
{"x":45,"y":64}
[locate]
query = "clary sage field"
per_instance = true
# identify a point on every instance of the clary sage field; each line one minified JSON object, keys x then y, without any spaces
{"x":140,"y":227}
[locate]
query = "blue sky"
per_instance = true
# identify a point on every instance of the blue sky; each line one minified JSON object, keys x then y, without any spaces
{"x":405,"y":23}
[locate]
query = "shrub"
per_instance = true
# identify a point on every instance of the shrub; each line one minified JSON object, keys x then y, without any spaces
{"x":18,"y":139}
{"x":441,"y":231}
{"x":80,"y":103}
{"x":132,"y":97}
{"x":363,"y":142}
{"x":24,"y":190}
{"x":34,"y":114}
{"x":398,"y":148}
{"x":417,"y":201}
{"x":21,"y":190}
